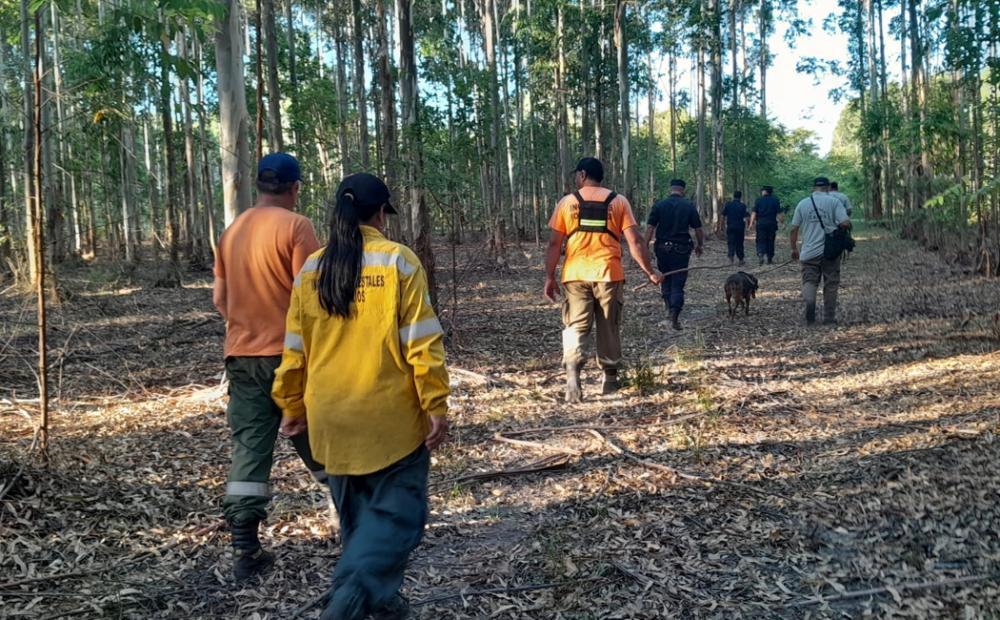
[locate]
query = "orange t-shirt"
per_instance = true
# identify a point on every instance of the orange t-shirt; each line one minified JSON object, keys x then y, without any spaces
{"x":259,"y":256}
{"x":593,"y":257}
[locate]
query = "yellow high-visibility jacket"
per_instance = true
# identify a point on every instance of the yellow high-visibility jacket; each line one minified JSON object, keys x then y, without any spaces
{"x":368,"y":382}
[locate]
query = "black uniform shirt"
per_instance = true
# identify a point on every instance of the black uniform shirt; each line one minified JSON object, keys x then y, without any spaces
{"x":735,"y":213}
{"x":672,"y":218}
{"x":767,"y":209}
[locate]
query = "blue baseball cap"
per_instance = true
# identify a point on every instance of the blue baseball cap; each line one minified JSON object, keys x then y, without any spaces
{"x":278,"y":168}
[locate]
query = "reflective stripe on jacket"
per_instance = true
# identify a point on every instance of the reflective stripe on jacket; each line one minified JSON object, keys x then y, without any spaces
{"x":368,"y":382}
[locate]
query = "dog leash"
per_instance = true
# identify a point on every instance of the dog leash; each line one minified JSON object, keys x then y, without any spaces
{"x":785,"y":264}
{"x":670,"y":273}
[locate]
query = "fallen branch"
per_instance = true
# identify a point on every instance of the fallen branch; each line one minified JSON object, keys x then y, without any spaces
{"x":63,"y":614}
{"x":640,"y":579}
{"x":82,"y":573}
{"x":490,"y":381}
{"x":314,"y":601}
{"x":559,"y":461}
{"x":695,"y":477}
{"x":508,"y":436}
{"x":903,"y":587}
{"x":24,"y":463}
{"x":509,"y":590}
{"x":536,"y":445}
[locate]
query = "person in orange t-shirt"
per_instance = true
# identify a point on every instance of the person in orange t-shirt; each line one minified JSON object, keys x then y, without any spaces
{"x":592,"y":221}
{"x":257,"y":260}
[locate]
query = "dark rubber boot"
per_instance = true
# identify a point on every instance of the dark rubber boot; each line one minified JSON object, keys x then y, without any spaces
{"x":675,"y":318}
{"x":573,"y":392}
{"x":611,"y":383}
{"x":249,"y":559}
{"x":810,"y":314}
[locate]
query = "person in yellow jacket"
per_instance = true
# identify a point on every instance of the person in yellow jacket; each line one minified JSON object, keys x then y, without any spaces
{"x":363,"y":369}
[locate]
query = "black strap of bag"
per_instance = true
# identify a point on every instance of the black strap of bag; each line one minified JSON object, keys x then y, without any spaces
{"x":592,"y":216}
{"x":834,"y":244}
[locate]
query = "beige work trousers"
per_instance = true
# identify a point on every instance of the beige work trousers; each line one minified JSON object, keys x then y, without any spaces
{"x":587,"y":303}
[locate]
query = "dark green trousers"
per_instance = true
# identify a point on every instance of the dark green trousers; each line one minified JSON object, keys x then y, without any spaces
{"x":254,"y":420}
{"x":382,"y":518}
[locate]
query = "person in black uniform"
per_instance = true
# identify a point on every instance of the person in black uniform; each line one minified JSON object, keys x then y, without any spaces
{"x":765,"y":214}
{"x":736,"y":214}
{"x":670,"y":220}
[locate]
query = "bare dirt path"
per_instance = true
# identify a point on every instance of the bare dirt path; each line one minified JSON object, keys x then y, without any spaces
{"x":757,"y":469}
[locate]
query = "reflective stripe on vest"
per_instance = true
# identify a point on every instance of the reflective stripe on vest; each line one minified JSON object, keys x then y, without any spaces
{"x":592,"y":215}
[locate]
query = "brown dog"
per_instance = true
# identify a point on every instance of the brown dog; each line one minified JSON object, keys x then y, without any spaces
{"x":741,"y":287}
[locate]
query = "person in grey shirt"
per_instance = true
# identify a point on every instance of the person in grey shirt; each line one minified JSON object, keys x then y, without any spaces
{"x":842,"y":197}
{"x":817,"y":215}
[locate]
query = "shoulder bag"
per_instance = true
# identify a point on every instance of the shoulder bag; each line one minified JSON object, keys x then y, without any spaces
{"x":834,"y":243}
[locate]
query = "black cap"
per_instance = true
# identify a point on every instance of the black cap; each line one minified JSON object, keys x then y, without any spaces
{"x":369,"y":193}
{"x":768,"y":189}
{"x":278,"y":168}
{"x":821,"y":182}
{"x":678,"y":183}
{"x":592,"y":167}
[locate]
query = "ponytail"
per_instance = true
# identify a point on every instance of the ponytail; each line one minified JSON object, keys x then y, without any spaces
{"x":340,"y":264}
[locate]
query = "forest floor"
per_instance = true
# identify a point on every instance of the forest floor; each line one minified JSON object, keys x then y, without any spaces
{"x":757,"y":468}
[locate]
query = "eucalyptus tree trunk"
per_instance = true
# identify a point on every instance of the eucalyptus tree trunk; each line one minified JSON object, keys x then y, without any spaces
{"x":621,"y":43}
{"x":909,"y":183}
{"x":38,"y":228}
{"x":878,"y":108}
{"x":718,"y":143}
{"x":672,"y":79}
{"x":259,"y":78}
{"x":357,"y":38}
{"x":275,"y":138}
{"x":918,"y":98}
{"x":234,"y":121}
{"x":505,"y":127}
{"x":765,"y":27}
{"x":293,"y":75}
{"x":651,"y":131}
{"x":128,"y":190}
{"x":562,"y":178}
{"x":422,"y":231}
{"x":340,"y":83}
{"x":6,"y":232}
{"x":888,"y":170}
{"x":195,"y":234}
{"x":170,"y":178}
{"x":735,"y":7}
{"x":387,"y":103}
{"x":496,"y":174}
{"x":65,"y":178}
{"x":702,"y":147}
{"x":206,"y":172}
{"x":52,"y":186}
{"x":27,"y":180}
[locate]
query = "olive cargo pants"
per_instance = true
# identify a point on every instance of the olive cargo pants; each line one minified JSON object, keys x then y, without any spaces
{"x":254,"y":420}
{"x":382,"y":518}
{"x":829,"y":271}
{"x":587,"y":303}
